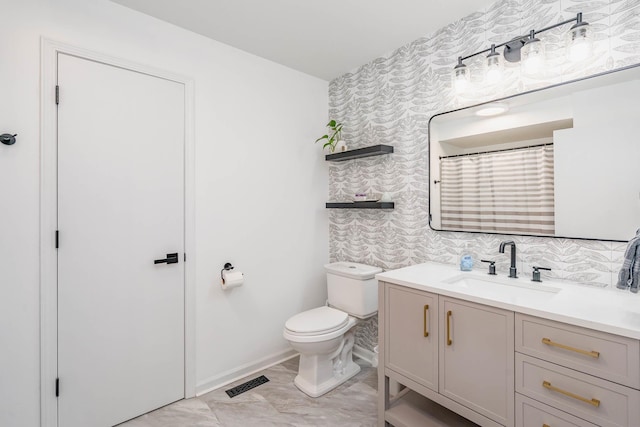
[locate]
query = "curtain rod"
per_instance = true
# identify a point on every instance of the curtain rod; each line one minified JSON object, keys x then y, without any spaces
{"x":495,"y":151}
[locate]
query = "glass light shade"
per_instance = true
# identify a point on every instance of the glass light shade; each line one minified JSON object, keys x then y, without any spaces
{"x":461,"y":77}
{"x":579,"y":42}
{"x":494,"y":68}
{"x":532,"y":54}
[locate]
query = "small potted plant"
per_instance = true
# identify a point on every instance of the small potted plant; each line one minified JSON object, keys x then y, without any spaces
{"x":334,"y":140}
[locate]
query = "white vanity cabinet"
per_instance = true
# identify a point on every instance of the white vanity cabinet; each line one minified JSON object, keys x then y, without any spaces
{"x":456,"y":354}
{"x":468,"y":350}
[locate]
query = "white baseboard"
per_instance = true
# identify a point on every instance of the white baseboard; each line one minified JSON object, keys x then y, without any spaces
{"x":366,"y":355}
{"x":217,"y":381}
{"x":225,"y":378}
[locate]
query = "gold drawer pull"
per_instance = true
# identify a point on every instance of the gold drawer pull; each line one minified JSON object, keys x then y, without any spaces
{"x":546,"y":425}
{"x":449,"y":342}
{"x":594,"y":402}
{"x":424,"y":318}
{"x":593,"y":354}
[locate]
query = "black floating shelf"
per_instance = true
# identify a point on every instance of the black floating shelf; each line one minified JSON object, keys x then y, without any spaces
{"x":375,"y":150}
{"x":360,"y":205}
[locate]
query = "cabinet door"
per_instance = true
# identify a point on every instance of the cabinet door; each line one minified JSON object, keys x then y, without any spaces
{"x":477,"y":358}
{"x":411,"y":331}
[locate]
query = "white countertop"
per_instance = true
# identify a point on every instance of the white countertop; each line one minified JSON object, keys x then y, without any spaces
{"x":609,"y":310}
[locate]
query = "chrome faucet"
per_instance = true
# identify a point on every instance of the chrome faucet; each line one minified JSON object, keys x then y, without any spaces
{"x":513,"y":272}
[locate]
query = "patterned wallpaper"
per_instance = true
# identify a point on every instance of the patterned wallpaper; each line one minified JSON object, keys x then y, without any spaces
{"x":390,"y":101}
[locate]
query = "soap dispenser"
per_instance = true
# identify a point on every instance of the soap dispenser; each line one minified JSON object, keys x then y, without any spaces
{"x":466,"y":259}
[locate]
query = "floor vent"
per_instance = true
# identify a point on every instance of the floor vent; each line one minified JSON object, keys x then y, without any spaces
{"x":233,"y":392}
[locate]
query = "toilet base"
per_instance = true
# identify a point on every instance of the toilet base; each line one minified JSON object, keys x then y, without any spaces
{"x":316,"y":390}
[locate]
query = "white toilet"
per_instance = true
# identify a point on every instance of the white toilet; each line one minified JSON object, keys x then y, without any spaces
{"x":323,"y":335}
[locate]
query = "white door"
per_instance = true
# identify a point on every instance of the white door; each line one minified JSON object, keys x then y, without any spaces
{"x":120,"y":208}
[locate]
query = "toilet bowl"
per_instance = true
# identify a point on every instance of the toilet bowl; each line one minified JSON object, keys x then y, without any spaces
{"x":324,"y":336}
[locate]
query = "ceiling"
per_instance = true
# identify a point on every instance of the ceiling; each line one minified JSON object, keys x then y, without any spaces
{"x":322,"y":38}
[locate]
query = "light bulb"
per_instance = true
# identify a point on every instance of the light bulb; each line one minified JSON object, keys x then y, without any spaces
{"x":493,"y":72}
{"x":533,"y":64}
{"x":461,"y":77}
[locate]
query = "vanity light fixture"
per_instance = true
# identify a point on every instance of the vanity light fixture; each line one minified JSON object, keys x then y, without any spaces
{"x":492,"y":109}
{"x":529,"y":49}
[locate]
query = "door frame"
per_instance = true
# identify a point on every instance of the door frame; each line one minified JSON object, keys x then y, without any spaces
{"x":49,"y":50}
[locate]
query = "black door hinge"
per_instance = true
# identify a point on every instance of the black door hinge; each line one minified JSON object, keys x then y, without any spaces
{"x":185,"y":257}
{"x":57,"y":94}
{"x":57,"y":387}
{"x":57,"y":239}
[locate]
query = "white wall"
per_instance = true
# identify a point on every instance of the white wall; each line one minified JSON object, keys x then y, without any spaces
{"x":260,"y":185}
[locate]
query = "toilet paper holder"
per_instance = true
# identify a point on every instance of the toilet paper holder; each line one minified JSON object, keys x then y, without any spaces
{"x":230,"y":279}
{"x":227,"y":267}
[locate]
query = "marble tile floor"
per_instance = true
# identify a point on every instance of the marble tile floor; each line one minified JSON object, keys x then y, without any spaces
{"x":276,"y":403}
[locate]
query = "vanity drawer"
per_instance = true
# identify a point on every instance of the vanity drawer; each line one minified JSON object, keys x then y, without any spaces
{"x":601,"y":402}
{"x":531,"y":413}
{"x":607,"y":356}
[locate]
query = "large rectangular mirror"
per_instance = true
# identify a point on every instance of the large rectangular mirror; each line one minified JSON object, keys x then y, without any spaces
{"x":562,"y":161}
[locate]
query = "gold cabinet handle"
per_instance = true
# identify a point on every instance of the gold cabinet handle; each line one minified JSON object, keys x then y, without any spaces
{"x":424,"y":318}
{"x":546,"y":425}
{"x":449,"y":342}
{"x":594,"y":402}
{"x":593,"y":354}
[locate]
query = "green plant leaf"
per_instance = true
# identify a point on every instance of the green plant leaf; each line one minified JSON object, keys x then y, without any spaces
{"x":336,"y":128}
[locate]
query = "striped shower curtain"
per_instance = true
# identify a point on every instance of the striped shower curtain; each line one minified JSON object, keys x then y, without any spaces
{"x":508,"y":191}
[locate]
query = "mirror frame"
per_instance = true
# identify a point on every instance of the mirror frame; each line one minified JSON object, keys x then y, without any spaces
{"x":590,"y":77}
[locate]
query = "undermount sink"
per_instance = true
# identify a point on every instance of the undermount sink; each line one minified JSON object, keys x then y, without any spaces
{"x":514,"y":290}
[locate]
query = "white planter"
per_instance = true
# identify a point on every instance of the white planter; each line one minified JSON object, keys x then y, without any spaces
{"x":340,"y":146}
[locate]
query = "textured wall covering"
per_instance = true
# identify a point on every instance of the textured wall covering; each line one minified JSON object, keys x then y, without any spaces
{"x":390,"y":101}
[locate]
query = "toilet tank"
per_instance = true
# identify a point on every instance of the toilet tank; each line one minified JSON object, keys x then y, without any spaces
{"x":353,"y":288}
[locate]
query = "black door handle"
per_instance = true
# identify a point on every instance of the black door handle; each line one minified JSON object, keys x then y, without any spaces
{"x":171,"y":259}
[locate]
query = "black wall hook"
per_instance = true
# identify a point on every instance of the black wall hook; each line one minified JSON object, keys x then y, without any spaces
{"x":8,"y":139}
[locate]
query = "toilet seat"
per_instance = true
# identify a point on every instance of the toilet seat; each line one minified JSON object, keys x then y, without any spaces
{"x":317,"y":324}
{"x":317,"y":320}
